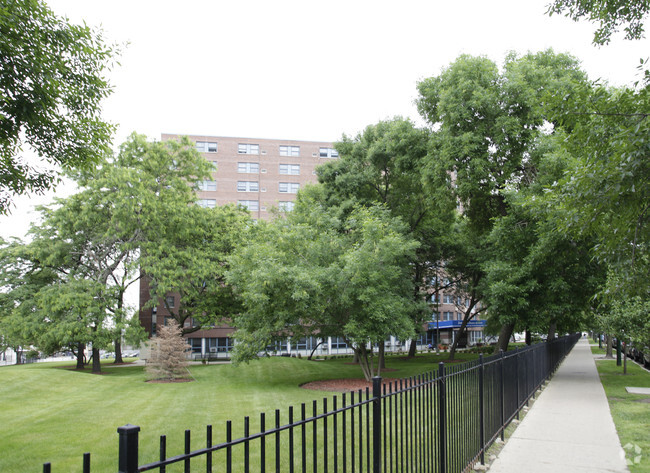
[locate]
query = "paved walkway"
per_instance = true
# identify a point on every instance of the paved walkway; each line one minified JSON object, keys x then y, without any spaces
{"x":569,"y":428}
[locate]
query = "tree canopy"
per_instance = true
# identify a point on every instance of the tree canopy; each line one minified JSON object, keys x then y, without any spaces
{"x":52,"y":82}
{"x":318,"y":273}
{"x":610,"y":15}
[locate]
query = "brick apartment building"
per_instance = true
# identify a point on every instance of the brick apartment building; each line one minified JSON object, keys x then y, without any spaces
{"x":260,"y":175}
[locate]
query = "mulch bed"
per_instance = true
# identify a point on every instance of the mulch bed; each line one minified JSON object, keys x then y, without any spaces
{"x":166,"y":381}
{"x":342,"y":385}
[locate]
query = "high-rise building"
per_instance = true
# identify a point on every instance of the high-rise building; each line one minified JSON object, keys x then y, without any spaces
{"x":259,"y":174}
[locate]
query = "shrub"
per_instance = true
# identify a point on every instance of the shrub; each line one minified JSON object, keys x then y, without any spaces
{"x":167,"y":359}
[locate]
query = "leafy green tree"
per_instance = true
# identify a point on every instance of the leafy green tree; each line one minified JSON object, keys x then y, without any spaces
{"x":610,"y":15}
{"x":383,"y":165}
{"x":317,"y":273}
{"x":488,"y":125}
{"x":51,"y":86}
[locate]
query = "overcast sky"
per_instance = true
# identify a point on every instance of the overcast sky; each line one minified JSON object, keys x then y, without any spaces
{"x":306,"y":70}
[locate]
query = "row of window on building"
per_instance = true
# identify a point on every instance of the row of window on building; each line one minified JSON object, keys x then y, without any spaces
{"x":253,"y":186}
{"x":247,"y":148}
{"x":447,"y":315}
{"x":450,"y":299}
{"x":252,"y":205}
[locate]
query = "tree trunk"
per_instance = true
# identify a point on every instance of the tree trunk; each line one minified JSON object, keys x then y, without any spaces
{"x":81,"y":348}
{"x":118,"y":351}
{"x":504,"y":337}
{"x":381,"y":357}
{"x":311,"y":355}
{"x":412,"y":349}
{"x":529,"y":338}
{"x":610,"y":347}
{"x":355,"y":357}
{"x":97,"y":368}
{"x":625,"y":359}
{"x":19,"y":356}
{"x":552,"y":328}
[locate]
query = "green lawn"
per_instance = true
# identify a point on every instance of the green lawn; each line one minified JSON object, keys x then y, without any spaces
{"x":52,"y":413}
{"x":631,"y":412}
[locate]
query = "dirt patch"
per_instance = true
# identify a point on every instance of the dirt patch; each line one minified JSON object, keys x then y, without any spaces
{"x":342,"y":385}
{"x":167,"y":381}
{"x":645,"y":400}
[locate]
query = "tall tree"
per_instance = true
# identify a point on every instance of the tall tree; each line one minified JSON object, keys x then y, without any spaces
{"x":383,"y":164}
{"x":52,"y":82}
{"x":317,"y":273}
{"x":488,"y":125}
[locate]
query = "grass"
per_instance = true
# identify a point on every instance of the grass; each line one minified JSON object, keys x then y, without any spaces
{"x":630,"y":413}
{"x":51,"y":413}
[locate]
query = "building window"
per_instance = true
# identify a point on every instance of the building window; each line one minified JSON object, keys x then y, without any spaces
{"x":328,"y":153}
{"x":214,"y":164}
{"x":206,"y":147}
{"x":286,"y":206}
{"x":252,"y":205}
{"x":245,"y":148}
{"x":448,"y":316}
{"x":169,"y":302}
{"x":207,"y":203}
{"x":289,"y":187}
{"x":208,"y":185}
{"x":448,"y":299}
{"x":248,"y":186}
{"x":289,"y":150}
{"x":251,"y":168}
{"x":219,"y":345}
{"x":290,"y":169}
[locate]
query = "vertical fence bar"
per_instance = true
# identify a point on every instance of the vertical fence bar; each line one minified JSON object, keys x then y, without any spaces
{"x":263,"y":443}
{"x":229,"y":447}
{"x":128,"y":448}
{"x":325,"y":465}
{"x":277,"y":441}
{"x":163,"y":452}
{"x":208,"y":444}
{"x":47,"y":467}
{"x":442,"y":418}
{"x":481,"y":408}
{"x":376,"y":424}
{"x":336,"y":433}
{"x":247,"y":446}
{"x":187,"y":450}
{"x":314,"y":438}
{"x":502,"y":394}
{"x":291,"y":449}
{"x":86,"y":463}
{"x":303,"y":433}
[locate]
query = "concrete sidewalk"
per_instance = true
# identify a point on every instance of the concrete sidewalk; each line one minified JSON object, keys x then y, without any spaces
{"x":569,"y":428}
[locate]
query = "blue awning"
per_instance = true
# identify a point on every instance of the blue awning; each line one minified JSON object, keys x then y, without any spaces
{"x":456,"y":324}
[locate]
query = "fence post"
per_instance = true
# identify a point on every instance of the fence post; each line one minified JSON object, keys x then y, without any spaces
{"x":502,"y":388}
{"x":442,"y":417}
{"x":517,"y":380}
{"x":481,"y":409}
{"x":128,"y":448}
{"x":376,"y":424}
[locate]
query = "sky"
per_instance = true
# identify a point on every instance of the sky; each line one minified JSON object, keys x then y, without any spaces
{"x":304,"y":70}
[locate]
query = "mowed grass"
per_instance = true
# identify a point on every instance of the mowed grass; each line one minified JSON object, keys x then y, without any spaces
{"x":631,"y":412}
{"x":52,"y":413}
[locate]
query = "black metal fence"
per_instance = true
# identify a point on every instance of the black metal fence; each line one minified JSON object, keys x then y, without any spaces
{"x":441,"y":422}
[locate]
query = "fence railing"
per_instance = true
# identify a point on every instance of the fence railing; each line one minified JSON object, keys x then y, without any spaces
{"x":441,"y":422}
